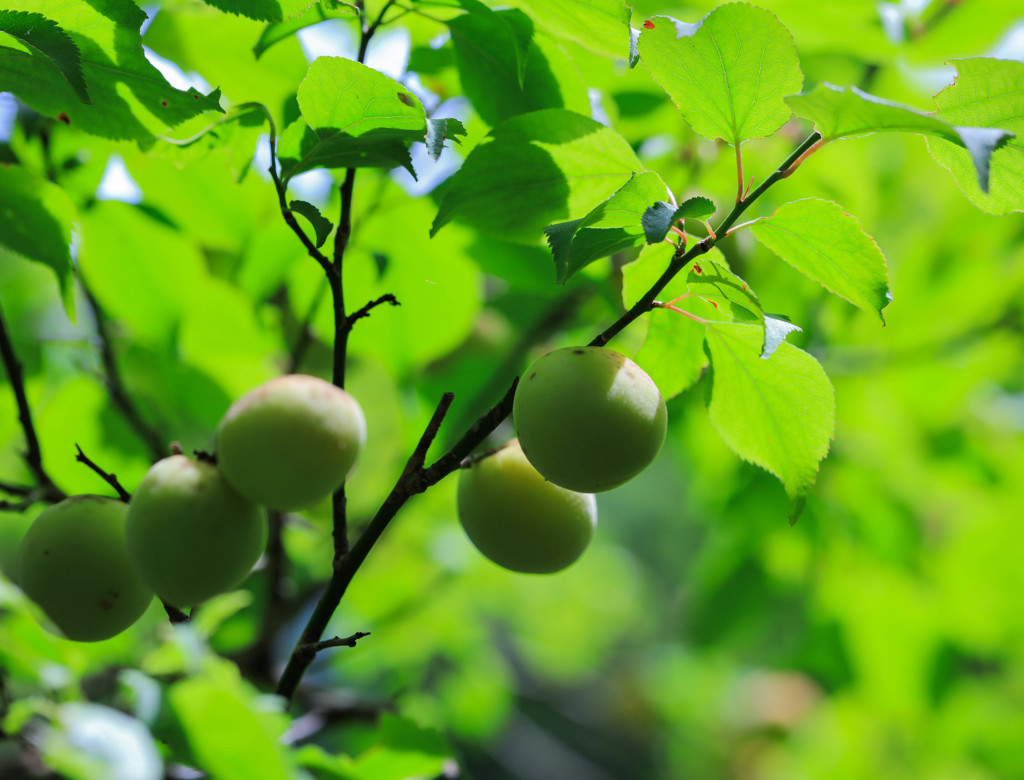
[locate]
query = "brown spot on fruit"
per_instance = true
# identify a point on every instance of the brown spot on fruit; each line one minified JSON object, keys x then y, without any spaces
{"x":163,"y":102}
{"x":533,"y":375}
{"x":105,"y":605}
{"x":578,"y":352}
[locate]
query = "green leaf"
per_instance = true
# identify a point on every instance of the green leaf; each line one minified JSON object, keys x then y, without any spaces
{"x":658,"y":219}
{"x":263,"y":10}
{"x":352,"y":116}
{"x":46,"y":37}
{"x":601,"y":26}
{"x":440,"y":129}
{"x":275,"y":32}
{"x":505,"y":69}
{"x":131,"y":100}
{"x":229,"y":736}
{"x":321,"y":225}
{"x":728,"y":73}
{"x":673,"y":351}
{"x":404,"y":750}
{"x":986,"y":92}
{"x":848,"y":112}
{"x":612,"y":226}
{"x":35,"y":221}
{"x":535,"y":169}
{"x":777,"y":413}
{"x":825,"y":243}
{"x":238,"y":130}
{"x":709,"y":281}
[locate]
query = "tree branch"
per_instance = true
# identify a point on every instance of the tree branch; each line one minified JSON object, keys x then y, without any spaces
{"x":150,"y":436}
{"x":349,"y":641}
{"x":110,"y":479}
{"x":358,"y":314}
{"x":33,"y":455}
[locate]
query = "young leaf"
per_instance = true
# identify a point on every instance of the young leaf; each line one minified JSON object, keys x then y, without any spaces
{"x":848,"y":112}
{"x":599,"y":25}
{"x":612,"y":226}
{"x":506,"y":69}
{"x":263,"y":10}
{"x":131,"y":100}
{"x":728,"y":73}
{"x":440,"y":129}
{"x":535,"y":169}
{"x":777,"y":413}
{"x":35,"y":222}
{"x":825,"y":243}
{"x":986,"y":92}
{"x":275,"y":32}
{"x":776,"y":328}
{"x":352,"y":116}
{"x":46,"y":37}
{"x":322,"y":226}
{"x":659,"y":218}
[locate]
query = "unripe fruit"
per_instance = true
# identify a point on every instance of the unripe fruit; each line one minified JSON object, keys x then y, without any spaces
{"x":290,"y":442}
{"x":73,"y":563}
{"x":518,"y":519}
{"x":190,"y":535}
{"x":588,"y":418}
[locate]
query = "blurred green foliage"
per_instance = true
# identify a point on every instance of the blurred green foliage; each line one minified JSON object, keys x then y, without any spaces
{"x":700,"y":636}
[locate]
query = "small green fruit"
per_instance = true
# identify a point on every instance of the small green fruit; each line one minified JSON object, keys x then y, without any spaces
{"x":73,"y":563}
{"x":518,"y":519}
{"x":588,"y":418}
{"x":190,"y":535}
{"x":290,"y":442}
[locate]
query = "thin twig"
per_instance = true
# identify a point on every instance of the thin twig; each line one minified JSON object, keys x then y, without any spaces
{"x":110,"y":479}
{"x":15,"y":490}
{"x":349,"y":641}
{"x":153,"y":439}
{"x":33,"y":455}
{"x":358,"y":314}
{"x":174,"y":614}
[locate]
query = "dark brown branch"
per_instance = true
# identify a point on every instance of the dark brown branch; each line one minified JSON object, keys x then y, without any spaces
{"x":150,"y":436}
{"x":15,"y":490}
{"x":358,"y":314}
{"x":174,"y":614}
{"x":33,"y":455}
{"x":349,"y":641}
{"x":110,"y":479}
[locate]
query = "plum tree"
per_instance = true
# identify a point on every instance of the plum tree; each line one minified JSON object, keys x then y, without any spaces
{"x":588,"y":418}
{"x":190,"y":534}
{"x":74,"y":564}
{"x":518,"y":519}
{"x":290,"y":442}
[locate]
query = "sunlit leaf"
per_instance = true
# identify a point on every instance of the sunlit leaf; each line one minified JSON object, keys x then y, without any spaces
{"x":822,"y":241}
{"x":728,"y":73}
{"x":986,"y":92}
{"x":848,"y":112}
{"x":263,"y":10}
{"x":275,"y":32}
{"x":777,"y":413}
{"x":599,"y":25}
{"x":352,"y":116}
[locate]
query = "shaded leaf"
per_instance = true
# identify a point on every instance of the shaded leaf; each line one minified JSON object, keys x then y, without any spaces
{"x":848,"y":112}
{"x":610,"y":227}
{"x":986,"y":92}
{"x":659,"y":218}
{"x":825,"y":243}
{"x":535,"y":169}
{"x":45,"y":36}
{"x":36,"y":218}
{"x":131,"y":100}
{"x":275,"y":32}
{"x":321,"y":225}
{"x":777,"y":413}
{"x":728,"y":73}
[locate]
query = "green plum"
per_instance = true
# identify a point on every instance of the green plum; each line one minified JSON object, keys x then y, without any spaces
{"x":290,"y":442}
{"x":588,"y":418}
{"x":518,"y":519}
{"x":74,"y":564}
{"x":190,"y":535}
